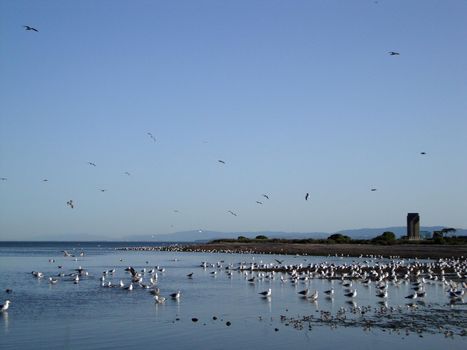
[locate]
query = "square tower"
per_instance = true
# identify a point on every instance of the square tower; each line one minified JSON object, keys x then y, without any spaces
{"x":413,"y":226}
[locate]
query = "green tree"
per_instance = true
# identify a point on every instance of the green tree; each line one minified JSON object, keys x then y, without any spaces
{"x":339,"y":238}
{"x":446,"y":231}
{"x":385,"y":238}
{"x":261,"y":237}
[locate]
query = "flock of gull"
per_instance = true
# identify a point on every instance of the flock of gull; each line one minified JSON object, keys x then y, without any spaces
{"x":346,"y":278}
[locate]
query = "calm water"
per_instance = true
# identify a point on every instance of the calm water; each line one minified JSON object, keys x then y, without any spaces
{"x":88,"y":316}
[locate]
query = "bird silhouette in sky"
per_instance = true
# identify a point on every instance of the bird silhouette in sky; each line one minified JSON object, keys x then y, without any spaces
{"x":221,"y":161}
{"x":70,"y":204}
{"x":393,"y":53}
{"x":373,"y":189}
{"x":266,"y":196}
{"x":102,"y":190}
{"x":45,"y":180}
{"x":306,"y":196}
{"x":127,"y":173}
{"x":3,"y":178}
{"x":91,"y":163}
{"x":231,"y":212}
{"x":423,"y":153}
{"x":30,"y":28}
{"x":152,"y":136}
{"x":259,"y":202}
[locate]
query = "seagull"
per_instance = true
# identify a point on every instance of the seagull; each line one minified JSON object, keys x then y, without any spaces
{"x":314,"y":296}
{"x":190,"y":275}
{"x":306,"y":196}
{"x":3,"y":178}
{"x":303,"y":292}
{"x":279,"y":261}
{"x":422,"y":153}
{"x":5,"y":306}
{"x":382,"y":294}
{"x":266,"y":196}
{"x":45,"y":180}
{"x":373,"y":189}
{"x":351,"y":294}
{"x":70,"y":203}
{"x":92,"y":164}
{"x":175,"y":295}
{"x":231,"y":212}
{"x":393,"y":53}
{"x":412,"y":296}
{"x":266,"y":293}
{"x":53,"y":280}
{"x":329,"y":292}
{"x":30,"y":28}
{"x":259,"y":202}
{"x":103,"y":190}
{"x":158,"y":299}
{"x":152,"y":136}
{"x":221,"y":161}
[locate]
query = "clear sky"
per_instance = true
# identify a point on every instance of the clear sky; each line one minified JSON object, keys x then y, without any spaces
{"x":294,"y":96}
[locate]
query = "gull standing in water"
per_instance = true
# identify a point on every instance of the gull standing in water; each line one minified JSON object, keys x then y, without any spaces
{"x":175,"y":295}
{"x":314,"y":296}
{"x":158,"y":299}
{"x":5,"y":306}
{"x":266,"y":293}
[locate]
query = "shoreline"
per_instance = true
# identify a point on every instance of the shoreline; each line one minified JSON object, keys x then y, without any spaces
{"x":421,"y":251}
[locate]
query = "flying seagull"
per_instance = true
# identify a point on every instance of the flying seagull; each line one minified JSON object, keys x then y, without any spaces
{"x":423,"y":153}
{"x":373,"y":189}
{"x":221,"y":161}
{"x":45,"y":180}
{"x":393,"y":53}
{"x":266,"y":196}
{"x":70,"y":204}
{"x":306,"y":196}
{"x":92,"y":164}
{"x":30,"y":28}
{"x":102,"y":190}
{"x":259,"y":202}
{"x":231,"y":212}
{"x":152,"y":136}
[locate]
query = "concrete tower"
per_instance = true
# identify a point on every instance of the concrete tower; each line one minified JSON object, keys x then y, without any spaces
{"x":413,"y":226}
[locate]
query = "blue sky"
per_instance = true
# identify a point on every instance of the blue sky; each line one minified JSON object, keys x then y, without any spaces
{"x":295,"y":97}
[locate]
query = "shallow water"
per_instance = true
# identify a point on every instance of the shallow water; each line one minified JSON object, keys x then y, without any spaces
{"x":88,"y":316}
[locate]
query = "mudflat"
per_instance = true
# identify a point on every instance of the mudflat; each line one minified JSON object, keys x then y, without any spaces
{"x":432,"y":251}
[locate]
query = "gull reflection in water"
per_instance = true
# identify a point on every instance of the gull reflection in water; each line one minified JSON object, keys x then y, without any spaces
{"x":5,"y":320}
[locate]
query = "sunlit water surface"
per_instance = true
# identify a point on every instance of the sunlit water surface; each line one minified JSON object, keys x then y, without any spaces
{"x":88,"y":316}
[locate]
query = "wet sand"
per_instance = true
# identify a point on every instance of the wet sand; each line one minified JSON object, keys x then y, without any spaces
{"x":401,"y":250}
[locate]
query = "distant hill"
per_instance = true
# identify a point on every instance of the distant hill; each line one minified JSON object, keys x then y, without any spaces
{"x":192,"y":236}
{"x":203,"y":236}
